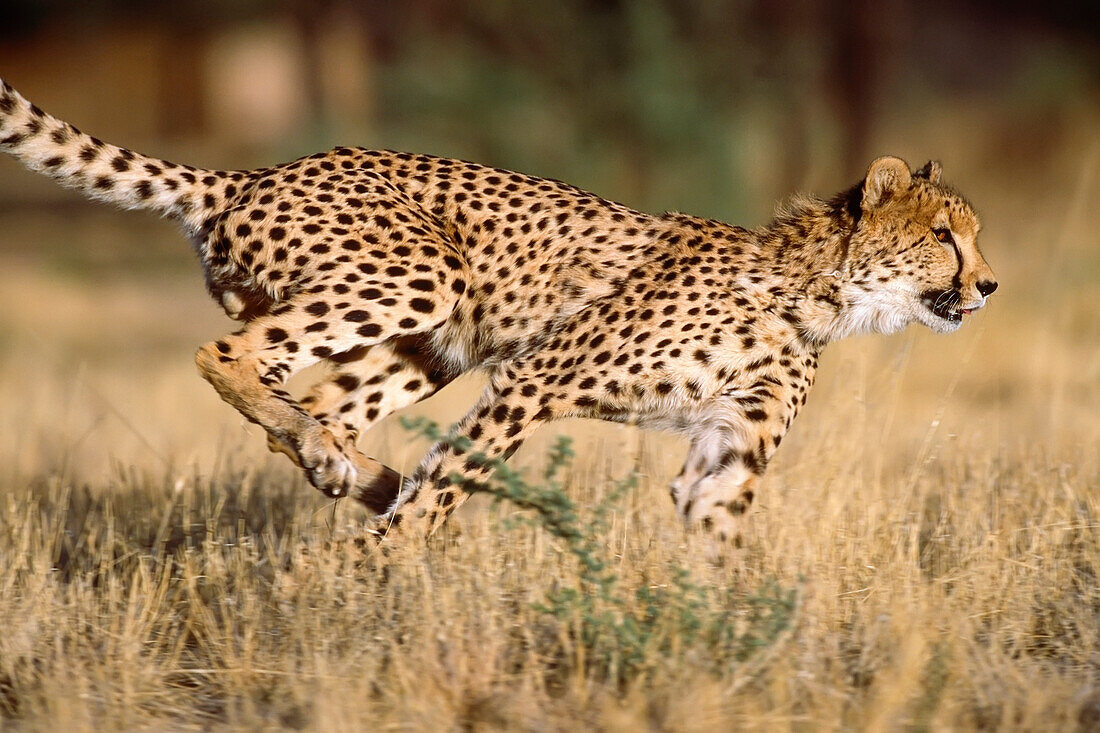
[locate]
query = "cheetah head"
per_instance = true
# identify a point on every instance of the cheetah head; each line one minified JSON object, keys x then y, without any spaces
{"x":914,"y":254}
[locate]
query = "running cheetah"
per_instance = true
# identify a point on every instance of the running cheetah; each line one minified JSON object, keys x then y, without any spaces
{"x":404,"y":271}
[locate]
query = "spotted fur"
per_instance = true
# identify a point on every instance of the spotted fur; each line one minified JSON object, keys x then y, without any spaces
{"x":403,"y":271}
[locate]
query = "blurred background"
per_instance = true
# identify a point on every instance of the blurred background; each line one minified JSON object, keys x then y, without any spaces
{"x":715,"y":108}
{"x":711,"y":106}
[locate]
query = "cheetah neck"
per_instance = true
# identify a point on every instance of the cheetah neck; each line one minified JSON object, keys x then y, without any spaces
{"x":807,"y":247}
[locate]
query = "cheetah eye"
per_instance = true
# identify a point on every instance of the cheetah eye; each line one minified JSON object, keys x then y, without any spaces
{"x":943,"y":235}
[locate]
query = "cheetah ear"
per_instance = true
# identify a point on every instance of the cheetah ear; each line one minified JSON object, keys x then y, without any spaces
{"x":886,"y":176}
{"x":930,"y":172}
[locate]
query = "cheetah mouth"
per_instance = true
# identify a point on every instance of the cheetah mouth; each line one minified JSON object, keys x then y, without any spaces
{"x":944,"y":304}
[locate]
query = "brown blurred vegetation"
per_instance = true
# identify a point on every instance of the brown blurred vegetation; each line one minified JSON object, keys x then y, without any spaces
{"x":714,"y":107}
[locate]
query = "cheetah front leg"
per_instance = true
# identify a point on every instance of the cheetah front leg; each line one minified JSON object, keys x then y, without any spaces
{"x":717,"y":485}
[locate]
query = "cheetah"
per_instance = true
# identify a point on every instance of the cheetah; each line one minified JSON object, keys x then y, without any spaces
{"x":404,"y":271}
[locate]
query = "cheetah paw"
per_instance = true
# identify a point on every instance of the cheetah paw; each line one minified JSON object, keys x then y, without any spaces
{"x":329,"y":469}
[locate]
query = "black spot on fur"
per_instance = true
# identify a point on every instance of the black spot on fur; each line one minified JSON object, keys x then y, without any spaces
{"x":369,"y":330}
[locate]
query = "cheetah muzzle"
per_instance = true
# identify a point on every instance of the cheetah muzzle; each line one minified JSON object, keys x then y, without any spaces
{"x":943,"y":303}
{"x":400,"y":272}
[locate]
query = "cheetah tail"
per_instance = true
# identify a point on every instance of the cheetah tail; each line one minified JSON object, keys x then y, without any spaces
{"x":101,"y":171}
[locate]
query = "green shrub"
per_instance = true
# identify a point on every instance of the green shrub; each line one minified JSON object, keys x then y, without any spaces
{"x":623,"y":633}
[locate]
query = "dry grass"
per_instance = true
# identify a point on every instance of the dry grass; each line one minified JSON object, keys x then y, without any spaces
{"x":936,"y":510}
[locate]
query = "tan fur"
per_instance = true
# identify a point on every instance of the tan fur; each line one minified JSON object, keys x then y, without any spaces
{"x":403,"y":271}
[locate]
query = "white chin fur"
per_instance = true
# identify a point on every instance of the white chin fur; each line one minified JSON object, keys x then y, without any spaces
{"x":881,"y":312}
{"x":888,"y":312}
{"x":934,"y":322}
{"x":942,"y":325}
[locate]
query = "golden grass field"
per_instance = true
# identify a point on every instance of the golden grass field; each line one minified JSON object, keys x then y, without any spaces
{"x":935,"y":516}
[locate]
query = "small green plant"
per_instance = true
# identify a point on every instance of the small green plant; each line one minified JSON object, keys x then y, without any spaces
{"x":621,"y":633}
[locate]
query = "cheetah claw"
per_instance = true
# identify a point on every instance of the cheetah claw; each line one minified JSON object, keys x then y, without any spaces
{"x":329,"y":469}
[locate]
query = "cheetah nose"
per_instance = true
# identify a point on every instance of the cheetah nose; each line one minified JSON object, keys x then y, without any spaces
{"x":986,"y":287}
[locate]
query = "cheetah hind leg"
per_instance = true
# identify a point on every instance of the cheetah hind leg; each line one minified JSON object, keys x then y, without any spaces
{"x":249,"y":377}
{"x":326,"y":400}
{"x":249,"y":368}
{"x":365,"y":385}
{"x":505,"y":415}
